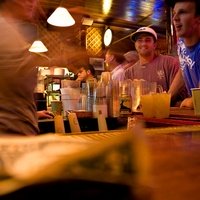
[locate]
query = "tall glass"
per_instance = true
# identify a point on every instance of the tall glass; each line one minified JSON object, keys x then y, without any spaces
{"x":161,"y":105}
{"x":70,"y":95}
{"x":91,"y":89}
{"x":141,"y":87}
{"x":135,"y":93}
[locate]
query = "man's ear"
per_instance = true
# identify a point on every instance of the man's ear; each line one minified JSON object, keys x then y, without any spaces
{"x":88,"y":72}
{"x":155,"y":45}
{"x":112,"y":58}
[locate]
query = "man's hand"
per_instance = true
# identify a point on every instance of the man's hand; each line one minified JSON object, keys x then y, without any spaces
{"x":187,"y":103}
{"x":42,"y":114}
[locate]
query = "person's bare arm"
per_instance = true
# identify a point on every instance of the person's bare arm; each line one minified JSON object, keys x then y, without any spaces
{"x":177,"y":84}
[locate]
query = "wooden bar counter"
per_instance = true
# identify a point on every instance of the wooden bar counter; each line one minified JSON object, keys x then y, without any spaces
{"x":160,"y":162}
{"x":175,"y":166}
{"x":173,"y":158}
{"x":178,"y":116}
{"x":174,"y":155}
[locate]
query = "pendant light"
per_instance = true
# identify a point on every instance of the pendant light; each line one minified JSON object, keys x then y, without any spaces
{"x":61,"y":17}
{"x":38,"y":47}
{"x":107,"y":38}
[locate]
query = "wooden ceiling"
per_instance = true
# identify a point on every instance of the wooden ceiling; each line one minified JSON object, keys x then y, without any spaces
{"x":120,"y":13}
{"x":123,"y":17}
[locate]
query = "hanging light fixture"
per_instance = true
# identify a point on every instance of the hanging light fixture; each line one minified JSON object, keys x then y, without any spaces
{"x":38,"y":47}
{"x":107,"y":37}
{"x":61,"y":17}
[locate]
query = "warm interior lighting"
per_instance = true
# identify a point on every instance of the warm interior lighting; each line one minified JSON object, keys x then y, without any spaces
{"x":107,"y":38}
{"x":87,"y":21}
{"x":106,"y":6}
{"x":38,"y":47}
{"x":61,"y":17}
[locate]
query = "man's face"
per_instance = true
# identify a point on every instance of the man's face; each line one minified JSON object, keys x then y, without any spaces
{"x":108,"y":60}
{"x":145,"y":44}
{"x":82,"y":74}
{"x":185,"y":22}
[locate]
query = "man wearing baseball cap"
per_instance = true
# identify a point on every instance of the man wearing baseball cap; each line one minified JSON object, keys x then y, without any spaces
{"x":151,"y":66}
{"x":147,"y":30}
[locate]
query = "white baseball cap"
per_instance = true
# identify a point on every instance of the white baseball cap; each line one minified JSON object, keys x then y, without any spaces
{"x":143,"y":30}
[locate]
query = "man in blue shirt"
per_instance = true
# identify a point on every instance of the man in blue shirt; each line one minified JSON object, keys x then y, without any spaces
{"x":186,"y":21}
